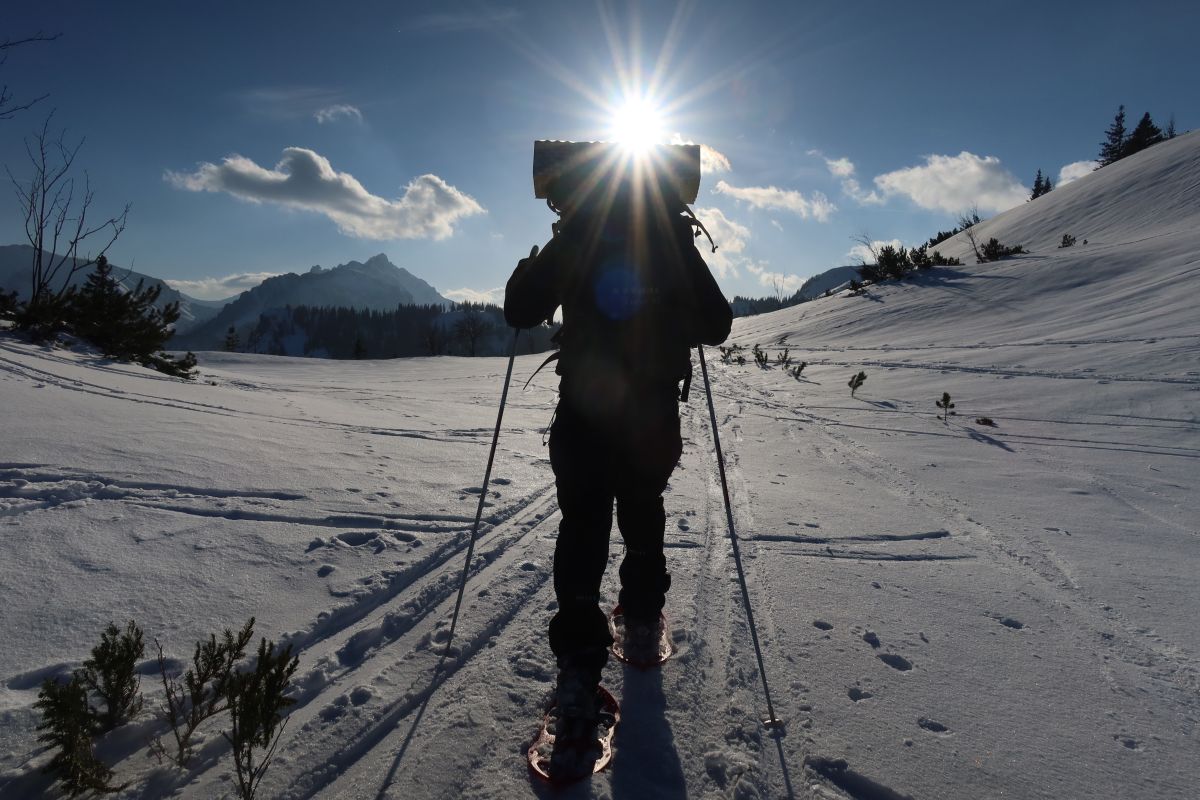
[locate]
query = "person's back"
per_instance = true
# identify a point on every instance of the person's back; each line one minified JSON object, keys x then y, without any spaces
{"x":636,"y":297}
{"x":635,"y":293}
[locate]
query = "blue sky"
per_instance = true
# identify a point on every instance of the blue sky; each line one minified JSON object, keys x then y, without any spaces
{"x":259,"y":138}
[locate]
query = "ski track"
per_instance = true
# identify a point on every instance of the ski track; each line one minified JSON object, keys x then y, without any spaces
{"x":366,"y":667}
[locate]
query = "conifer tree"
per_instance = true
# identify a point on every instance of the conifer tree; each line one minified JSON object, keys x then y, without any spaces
{"x":231,"y":344}
{"x":1041,"y":185}
{"x":127,"y":324}
{"x":1145,"y":133}
{"x":122,"y":324}
{"x":1170,"y":134}
{"x":111,"y":673}
{"x":945,"y":405}
{"x":68,"y":722}
{"x":1112,"y":149}
{"x":256,"y":700}
{"x":857,"y":381}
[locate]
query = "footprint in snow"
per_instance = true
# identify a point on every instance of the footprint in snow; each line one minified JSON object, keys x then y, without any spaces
{"x":932,"y":725}
{"x":358,"y":538}
{"x":896,"y":662}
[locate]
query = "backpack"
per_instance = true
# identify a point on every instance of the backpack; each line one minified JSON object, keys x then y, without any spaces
{"x":627,"y":298}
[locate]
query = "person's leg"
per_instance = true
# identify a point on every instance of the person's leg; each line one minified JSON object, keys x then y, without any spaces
{"x":650,"y":458}
{"x":579,"y":633}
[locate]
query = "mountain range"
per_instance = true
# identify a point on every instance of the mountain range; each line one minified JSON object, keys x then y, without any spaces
{"x":15,"y":260}
{"x":376,"y":284}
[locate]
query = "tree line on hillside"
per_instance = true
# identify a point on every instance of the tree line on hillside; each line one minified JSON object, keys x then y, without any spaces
{"x":466,"y":329}
{"x":1120,"y":144}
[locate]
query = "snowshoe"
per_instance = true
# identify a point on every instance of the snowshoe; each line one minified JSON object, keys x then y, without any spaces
{"x":575,"y":739}
{"x":638,"y":643}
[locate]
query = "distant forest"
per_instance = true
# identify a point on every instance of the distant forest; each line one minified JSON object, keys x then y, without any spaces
{"x":466,"y":329}
{"x":749,"y":306}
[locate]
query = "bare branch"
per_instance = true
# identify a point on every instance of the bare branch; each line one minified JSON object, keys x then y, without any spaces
{"x":37,"y":37}
{"x":56,"y":219}
{"x":7,"y":110}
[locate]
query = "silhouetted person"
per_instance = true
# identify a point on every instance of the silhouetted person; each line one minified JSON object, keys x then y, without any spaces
{"x":636,"y":296}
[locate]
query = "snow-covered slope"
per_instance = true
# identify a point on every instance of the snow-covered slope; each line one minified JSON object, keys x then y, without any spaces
{"x":825,"y":281}
{"x":953,"y":609}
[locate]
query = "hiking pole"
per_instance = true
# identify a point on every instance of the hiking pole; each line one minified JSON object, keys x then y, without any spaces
{"x":772,"y":722}
{"x":487,"y":476}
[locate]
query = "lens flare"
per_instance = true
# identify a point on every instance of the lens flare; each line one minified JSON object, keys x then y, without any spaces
{"x":637,"y":123}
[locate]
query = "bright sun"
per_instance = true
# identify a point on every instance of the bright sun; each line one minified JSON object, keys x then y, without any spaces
{"x":637,"y":124}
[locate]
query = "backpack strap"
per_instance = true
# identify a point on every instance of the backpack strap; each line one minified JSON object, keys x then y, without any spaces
{"x":695,"y":222}
{"x":552,"y":357}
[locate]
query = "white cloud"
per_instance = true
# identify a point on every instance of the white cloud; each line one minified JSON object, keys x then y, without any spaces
{"x":952,"y":183}
{"x":730,"y":238}
{"x":840,"y":167}
{"x":302,"y":179}
{"x":711,"y":160}
{"x":220,"y":288}
{"x":776,"y":281}
{"x":1075,"y":171}
{"x":844,"y":169}
{"x":730,"y":259}
{"x":495,"y":296}
{"x":851,"y":187}
{"x":772,"y":197}
{"x":864,"y":254}
{"x":337,"y":111}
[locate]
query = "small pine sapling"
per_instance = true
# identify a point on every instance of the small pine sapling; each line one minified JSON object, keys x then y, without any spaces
{"x":760,"y":357}
{"x":110,"y":673}
{"x":741,"y":361}
{"x":857,"y":381}
{"x":945,"y":405}
{"x":256,"y":700}
{"x":783,"y":359}
{"x":1067,"y":241}
{"x":202,"y":692}
{"x":798,"y":369}
{"x":985,"y":421}
{"x":69,"y":722}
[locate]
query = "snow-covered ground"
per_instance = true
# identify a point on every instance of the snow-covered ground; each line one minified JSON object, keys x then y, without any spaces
{"x":956,"y":610}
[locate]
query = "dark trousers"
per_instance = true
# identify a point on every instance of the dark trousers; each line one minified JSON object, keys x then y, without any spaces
{"x":624,"y":454}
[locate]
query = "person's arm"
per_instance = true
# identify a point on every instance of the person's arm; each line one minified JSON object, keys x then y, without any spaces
{"x":532,"y":293}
